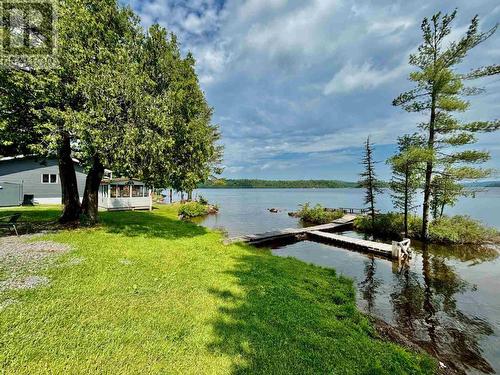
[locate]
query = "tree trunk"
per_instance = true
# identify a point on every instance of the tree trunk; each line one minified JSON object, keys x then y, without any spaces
{"x":170,"y":195}
{"x":91,"y":195}
{"x":190,"y":195}
{"x":69,"y":185}
{"x":406,"y":202}
{"x":428,"y":174}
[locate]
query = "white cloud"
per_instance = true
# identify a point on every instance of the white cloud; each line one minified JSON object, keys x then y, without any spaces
{"x":387,"y":26}
{"x":279,"y":72}
{"x":352,"y":77}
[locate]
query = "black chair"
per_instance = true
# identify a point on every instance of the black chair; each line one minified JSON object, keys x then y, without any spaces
{"x":28,"y":200}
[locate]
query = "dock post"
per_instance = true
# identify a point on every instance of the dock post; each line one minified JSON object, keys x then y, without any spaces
{"x":396,"y":250}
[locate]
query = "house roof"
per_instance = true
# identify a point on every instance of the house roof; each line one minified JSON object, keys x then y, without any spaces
{"x":121,"y":181}
{"x":21,"y":157}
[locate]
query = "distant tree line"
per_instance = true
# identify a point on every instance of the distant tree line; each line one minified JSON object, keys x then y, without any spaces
{"x":277,"y":184}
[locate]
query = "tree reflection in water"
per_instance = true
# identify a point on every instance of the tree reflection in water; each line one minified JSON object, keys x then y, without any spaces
{"x":425,"y":309}
{"x":370,"y":284}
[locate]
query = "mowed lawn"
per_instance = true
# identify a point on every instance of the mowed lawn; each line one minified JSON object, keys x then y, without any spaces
{"x":151,"y":294}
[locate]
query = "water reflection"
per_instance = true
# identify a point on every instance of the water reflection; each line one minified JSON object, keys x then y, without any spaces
{"x":368,"y":287}
{"x":425,"y":309}
{"x":447,"y":298}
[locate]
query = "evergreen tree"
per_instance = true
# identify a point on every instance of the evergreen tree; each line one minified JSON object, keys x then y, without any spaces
{"x":369,"y":180}
{"x":445,"y":191}
{"x":407,"y":167}
{"x":438,"y":93}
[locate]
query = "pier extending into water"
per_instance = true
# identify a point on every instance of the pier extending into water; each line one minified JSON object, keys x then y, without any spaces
{"x":323,"y":233}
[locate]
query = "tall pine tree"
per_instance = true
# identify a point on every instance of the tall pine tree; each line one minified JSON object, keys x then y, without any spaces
{"x":438,"y":93}
{"x":369,"y":180}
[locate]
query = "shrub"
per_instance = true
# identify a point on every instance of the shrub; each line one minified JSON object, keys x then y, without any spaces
{"x":203,"y":200}
{"x":318,"y":214}
{"x":449,"y":230}
{"x":389,"y":225}
{"x":193,"y":209}
{"x":461,"y":230}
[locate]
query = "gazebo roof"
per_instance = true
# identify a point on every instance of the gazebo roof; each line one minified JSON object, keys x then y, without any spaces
{"x":121,"y":181}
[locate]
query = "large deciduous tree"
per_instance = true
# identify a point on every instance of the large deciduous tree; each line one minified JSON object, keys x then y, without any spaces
{"x":118,"y":99}
{"x":439,"y":94}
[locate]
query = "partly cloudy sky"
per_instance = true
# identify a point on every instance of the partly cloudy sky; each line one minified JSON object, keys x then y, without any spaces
{"x":298,"y":85}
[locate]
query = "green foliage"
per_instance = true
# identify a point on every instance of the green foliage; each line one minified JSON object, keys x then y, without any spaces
{"x":202,"y":200}
{"x":461,"y":230}
{"x":126,"y":101}
{"x":276,"y":184}
{"x":145,"y":292}
{"x":389,"y":225}
{"x":193,"y":209}
{"x":439,"y":92}
{"x":447,"y":230}
{"x":407,"y":173}
{"x":318,"y":214}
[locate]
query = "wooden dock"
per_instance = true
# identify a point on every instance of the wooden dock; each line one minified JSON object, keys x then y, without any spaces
{"x":322,"y":233}
{"x":341,"y":224}
{"x":354,"y":243}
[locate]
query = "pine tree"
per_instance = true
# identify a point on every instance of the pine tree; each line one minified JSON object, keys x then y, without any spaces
{"x":438,"y":93}
{"x":407,"y":167}
{"x":369,"y":180}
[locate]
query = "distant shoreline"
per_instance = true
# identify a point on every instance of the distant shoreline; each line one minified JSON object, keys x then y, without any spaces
{"x":307,"y":184}
{"x":275,"y":187}
{"x":278,"y":184}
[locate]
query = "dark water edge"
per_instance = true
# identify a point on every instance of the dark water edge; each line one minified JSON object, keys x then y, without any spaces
{"x":446,"y":299}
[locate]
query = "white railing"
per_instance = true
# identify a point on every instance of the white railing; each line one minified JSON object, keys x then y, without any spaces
{"x":125,"y":203}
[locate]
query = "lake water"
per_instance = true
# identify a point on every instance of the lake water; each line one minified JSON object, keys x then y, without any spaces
{"x":447,"y":298}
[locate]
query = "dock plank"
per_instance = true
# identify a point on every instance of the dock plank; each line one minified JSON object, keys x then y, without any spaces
{"x":289,"y":232}
{"x":371,"y":246}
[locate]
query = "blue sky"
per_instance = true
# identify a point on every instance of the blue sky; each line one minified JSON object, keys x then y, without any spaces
{"x":297,"y":86}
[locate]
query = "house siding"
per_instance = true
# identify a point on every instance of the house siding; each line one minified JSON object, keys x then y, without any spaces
{"x":28,"y":172}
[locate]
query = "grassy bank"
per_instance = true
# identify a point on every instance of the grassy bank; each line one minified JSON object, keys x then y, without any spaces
{"x":152,"y":294}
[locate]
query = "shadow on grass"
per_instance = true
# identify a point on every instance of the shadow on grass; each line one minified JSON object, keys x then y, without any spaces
{"x":147,"y":224}
{"x":296,"y":318}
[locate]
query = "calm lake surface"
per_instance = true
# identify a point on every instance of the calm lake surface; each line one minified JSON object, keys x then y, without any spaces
{"x":446,"y":298}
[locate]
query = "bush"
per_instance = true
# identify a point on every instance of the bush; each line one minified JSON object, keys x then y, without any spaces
{"x":318,"y":214}
{"x":448,"y":230}
{"x":203,"y":200}
{"x":389,"y":225}
{"x":461,"y":230}
{"x":193,"y":209}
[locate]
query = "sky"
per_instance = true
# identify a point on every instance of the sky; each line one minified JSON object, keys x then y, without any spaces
{"x":298,"y":85}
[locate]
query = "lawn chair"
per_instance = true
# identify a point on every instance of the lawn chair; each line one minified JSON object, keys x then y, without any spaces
{"x":28,"y":200}
{"x":10,"y":222}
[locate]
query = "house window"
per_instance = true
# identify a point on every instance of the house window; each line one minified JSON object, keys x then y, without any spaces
{"x":49,"y":178}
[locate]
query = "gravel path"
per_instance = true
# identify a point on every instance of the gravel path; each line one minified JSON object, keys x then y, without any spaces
{"x":20,"y":261}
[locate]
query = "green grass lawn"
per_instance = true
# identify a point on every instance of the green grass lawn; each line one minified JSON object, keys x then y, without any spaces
{"x":153,"y":294}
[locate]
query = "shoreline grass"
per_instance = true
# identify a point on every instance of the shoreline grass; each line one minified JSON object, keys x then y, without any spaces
{"x":153,"y":294}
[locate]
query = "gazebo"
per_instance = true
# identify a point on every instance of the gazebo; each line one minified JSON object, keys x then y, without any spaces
{"x":124,"y":194}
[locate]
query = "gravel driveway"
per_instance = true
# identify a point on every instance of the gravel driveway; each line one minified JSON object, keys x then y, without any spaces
{"x":20,"y":261}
